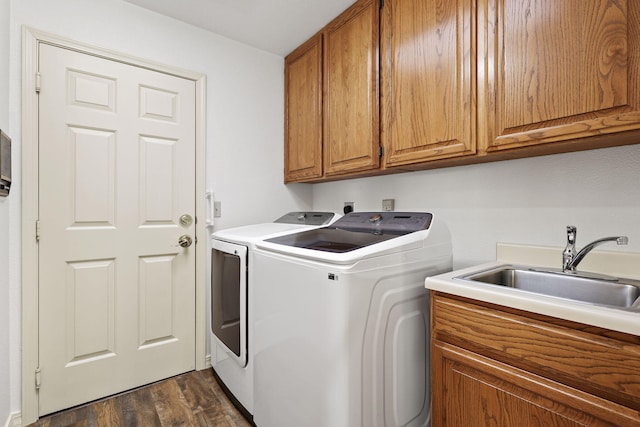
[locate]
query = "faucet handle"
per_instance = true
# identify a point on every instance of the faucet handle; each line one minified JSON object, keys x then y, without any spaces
{"x":570,"y":250}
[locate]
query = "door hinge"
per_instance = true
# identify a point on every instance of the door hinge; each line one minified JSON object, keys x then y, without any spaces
{"x":37,"y":230}
{"x":38,"y":379}
{"x":381,"y":151}
{"x":38,"y":81}
{"x":381,"y":2}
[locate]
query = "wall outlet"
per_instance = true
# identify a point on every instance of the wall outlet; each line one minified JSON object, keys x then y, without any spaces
{"x":348,"y":207}
{"x":388,"y":205}
{"x":217,"y":209}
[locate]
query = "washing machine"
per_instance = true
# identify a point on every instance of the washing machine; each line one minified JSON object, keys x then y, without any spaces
{"x":232,"y":280}
{"x":341,"y":333}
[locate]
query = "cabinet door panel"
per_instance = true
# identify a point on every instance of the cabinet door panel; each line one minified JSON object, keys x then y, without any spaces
{"x":351,"y":91}
{"x":469,"y":389}
{"x":428,"y":76}
{"x":303,"y":112}
{"x":577,"y":358}
{"x":560,"y":70}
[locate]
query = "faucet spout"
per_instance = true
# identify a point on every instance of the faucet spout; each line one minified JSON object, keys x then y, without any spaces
{"x":571,"y":260}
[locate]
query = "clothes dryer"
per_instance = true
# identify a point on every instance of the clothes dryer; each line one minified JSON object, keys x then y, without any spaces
{"x":232,"y":282}
{"x":341,"y":334}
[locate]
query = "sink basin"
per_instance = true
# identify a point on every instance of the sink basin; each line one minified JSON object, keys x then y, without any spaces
{"x":614,"y":292}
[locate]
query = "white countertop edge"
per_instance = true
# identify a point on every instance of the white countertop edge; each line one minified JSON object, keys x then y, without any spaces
{"x":608,"y":318}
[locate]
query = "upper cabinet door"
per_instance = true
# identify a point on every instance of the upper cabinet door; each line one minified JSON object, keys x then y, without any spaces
{"x":559,"y":70}
{"x":351,"y":130}
{"x":428,"y":80}
{"x":303,"y":112}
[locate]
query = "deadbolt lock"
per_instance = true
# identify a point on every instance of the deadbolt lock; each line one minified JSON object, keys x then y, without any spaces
{"x":186,"y":220}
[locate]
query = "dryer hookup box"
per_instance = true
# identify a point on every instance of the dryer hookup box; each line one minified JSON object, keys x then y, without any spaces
{"x":5,"y":164}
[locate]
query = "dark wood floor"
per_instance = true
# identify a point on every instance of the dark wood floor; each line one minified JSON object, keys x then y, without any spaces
{"x":191,"y":399}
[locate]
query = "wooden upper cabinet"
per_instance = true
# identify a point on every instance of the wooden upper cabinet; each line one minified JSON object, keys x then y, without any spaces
{"x":558,"y":70}
{"x":303,"y":112}
{"x":351,"y":135}
{"x":428,"y":79}
{"x":452,"y":82}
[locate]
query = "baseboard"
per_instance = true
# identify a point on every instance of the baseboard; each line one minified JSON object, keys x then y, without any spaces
{"x":207,"y":361}
{"x":14,"y":420}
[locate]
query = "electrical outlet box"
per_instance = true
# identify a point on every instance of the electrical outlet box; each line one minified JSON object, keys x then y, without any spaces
{"x":388,"y":205}
{"x":348,"y":207}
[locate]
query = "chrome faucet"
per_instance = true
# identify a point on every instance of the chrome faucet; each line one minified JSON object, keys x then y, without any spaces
{"x":570,"y":250}
{"x":571,"y":259}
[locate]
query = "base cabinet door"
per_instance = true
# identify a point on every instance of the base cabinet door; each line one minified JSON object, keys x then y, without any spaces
{"x":472,"y":390}
{"x":497,"y":366}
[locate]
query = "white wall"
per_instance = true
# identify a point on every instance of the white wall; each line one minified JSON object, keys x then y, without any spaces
{"x":5,"y":367}
{"x":244,"y":122}
{"x":518,"y":201}
{"x":525,"y":201}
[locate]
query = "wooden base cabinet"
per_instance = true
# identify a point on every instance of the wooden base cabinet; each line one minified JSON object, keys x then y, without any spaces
{"x":495,"y":366}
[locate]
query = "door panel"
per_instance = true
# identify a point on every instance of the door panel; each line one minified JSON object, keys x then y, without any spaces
{"x":156,"y":308}
{"x":351,"y":132}
{"x":559,"y":71}
{"x":90,"y":321}
{"x":428,"y":75}
{"x":303,"y":112}
{"x":116,"y":170}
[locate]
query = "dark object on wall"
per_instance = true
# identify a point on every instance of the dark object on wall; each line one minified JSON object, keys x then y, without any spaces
{"x":5,"y":164}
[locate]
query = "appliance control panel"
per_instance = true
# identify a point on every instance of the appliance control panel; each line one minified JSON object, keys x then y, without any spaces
{"x":385,"y":222}
{"x":306,"y":218}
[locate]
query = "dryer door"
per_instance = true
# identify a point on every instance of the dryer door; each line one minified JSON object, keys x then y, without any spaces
{"x":229,"y":298}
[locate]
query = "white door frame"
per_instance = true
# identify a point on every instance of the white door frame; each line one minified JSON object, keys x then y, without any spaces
{"x":31,"y":39}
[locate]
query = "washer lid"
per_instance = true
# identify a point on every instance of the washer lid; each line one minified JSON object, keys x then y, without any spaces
{"x":357,"y":230}
{"x":288,"y":223}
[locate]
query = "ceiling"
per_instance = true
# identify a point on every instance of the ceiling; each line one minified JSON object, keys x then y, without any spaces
{"x":276,"y":26}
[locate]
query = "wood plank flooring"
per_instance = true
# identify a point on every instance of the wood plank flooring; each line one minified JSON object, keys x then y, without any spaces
{"x":191,"y":399}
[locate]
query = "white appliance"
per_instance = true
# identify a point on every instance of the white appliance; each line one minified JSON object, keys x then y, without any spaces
{"x":341,"y":334}
{"x":231,"y":289}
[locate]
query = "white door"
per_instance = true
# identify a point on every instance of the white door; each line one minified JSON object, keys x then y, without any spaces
{"x":116,"y":170}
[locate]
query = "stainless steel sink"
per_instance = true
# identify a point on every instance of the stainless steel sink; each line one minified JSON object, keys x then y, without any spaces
{"x":606,"y":291}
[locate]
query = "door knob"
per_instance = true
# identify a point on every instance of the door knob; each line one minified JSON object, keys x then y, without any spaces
{"x":185,"y":241}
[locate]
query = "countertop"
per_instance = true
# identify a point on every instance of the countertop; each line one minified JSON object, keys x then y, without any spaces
{"x":614,"y":263}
